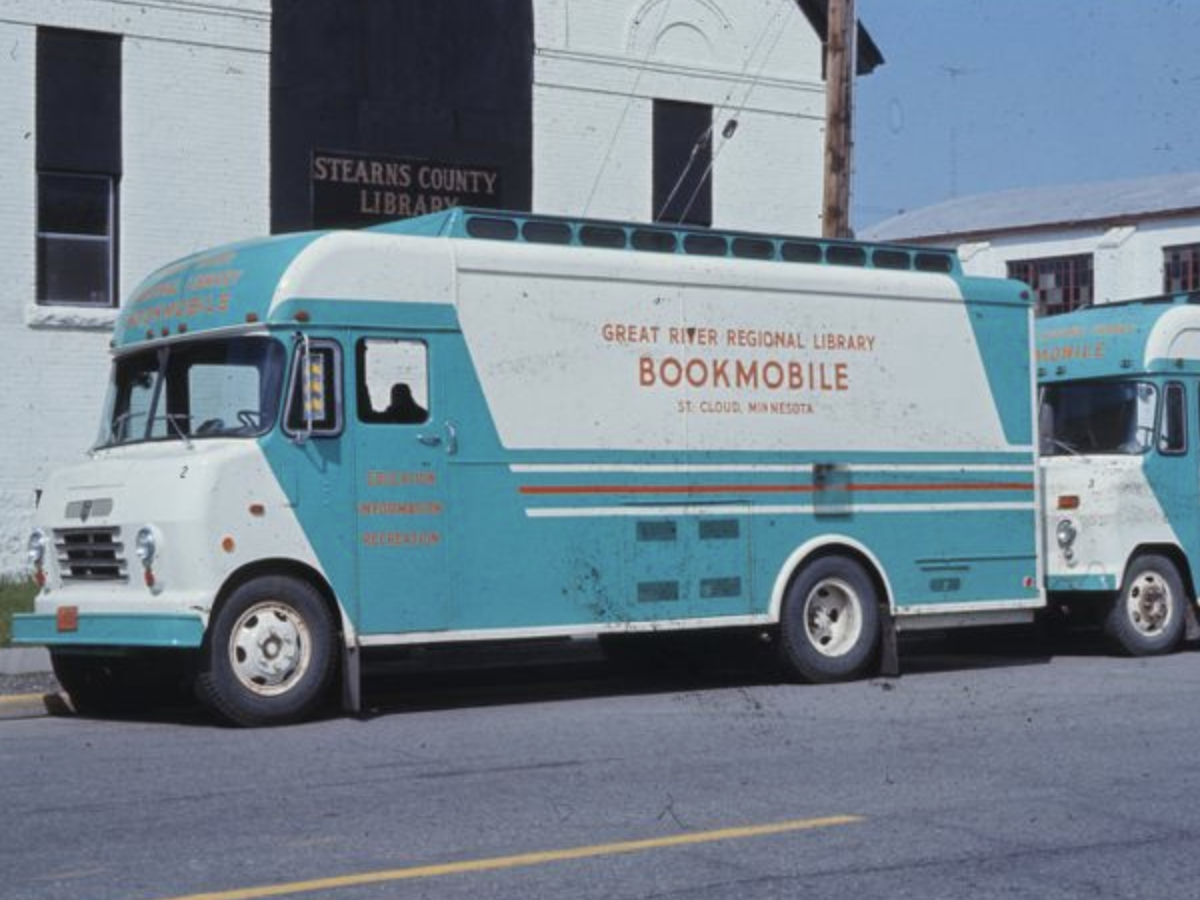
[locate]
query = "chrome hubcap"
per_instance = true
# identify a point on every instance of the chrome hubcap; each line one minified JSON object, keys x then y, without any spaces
{"x":270,"y":648}
{"x":1149,"y":603}
{"x":832,"y":617}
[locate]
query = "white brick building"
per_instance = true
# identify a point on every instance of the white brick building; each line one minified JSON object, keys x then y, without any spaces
{"x":194,"y":147}
{"x":1074,"y":244}
{"x":601,"y":67}
{"x":133,"y":132}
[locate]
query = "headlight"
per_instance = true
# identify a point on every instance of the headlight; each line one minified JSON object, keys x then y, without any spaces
{"x":37,"y":548}
{"x":1066,"y":533}
{"x":146,"y":544}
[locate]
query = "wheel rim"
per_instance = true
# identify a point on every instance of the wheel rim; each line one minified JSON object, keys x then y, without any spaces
{"x":833,"y":617}
{"x":1149,"y":604}
{"x":269,"y":648}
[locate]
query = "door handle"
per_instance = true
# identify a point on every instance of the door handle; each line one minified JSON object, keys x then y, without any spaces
{"x":435,"y":440}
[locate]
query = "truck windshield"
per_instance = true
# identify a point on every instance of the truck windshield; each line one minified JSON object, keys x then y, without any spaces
{"x":1097,"y":417}
{"x":203,"y":389}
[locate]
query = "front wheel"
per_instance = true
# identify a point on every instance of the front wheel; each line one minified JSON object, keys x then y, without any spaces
{"x":830,"y":625}
{"x":270,"y":655}
{"x":1146,"y":617}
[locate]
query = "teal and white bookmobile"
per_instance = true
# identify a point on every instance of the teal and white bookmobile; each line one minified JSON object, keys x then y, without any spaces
{"x":482,"y":426}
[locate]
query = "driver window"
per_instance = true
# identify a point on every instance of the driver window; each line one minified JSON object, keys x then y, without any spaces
{"x":393,"y":381}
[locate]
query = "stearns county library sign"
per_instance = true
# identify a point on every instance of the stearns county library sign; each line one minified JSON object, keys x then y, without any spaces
{"x":350,"y":189}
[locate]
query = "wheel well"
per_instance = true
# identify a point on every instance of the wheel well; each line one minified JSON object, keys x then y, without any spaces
{"x":1171,"y":552}
{"x":291,"y":569}
{"x":850,"y":552}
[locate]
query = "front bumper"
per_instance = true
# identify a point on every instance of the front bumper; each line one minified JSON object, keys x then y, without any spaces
{"x":1081,"y":581}
{"x":182,"y":630}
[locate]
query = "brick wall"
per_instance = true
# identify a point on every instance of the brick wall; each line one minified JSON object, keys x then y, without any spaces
{"x":195,"y":145}
{"x":600,"y":66}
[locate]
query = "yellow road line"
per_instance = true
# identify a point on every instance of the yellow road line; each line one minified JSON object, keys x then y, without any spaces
{"x":524,"y":859}
{"x":15,"y":699}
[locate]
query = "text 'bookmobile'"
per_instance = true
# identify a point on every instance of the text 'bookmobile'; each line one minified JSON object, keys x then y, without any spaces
{"x":481,"y":426}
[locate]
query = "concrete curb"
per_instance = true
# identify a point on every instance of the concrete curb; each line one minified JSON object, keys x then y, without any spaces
{"x":24,"y":661}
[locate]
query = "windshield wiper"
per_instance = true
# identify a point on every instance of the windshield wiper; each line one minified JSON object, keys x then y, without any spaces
{"x":118,"y":423}
{"x":1063,"y":445}
{"x":171,"y":417}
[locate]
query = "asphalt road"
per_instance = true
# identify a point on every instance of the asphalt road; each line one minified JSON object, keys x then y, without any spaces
{"x":986,"y":776}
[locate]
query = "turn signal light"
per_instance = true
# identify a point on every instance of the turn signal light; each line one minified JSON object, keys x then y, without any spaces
{"x":1068,"y":501}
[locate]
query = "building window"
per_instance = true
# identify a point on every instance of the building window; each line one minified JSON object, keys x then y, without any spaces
{"x":1181,"y":268}
{"x":1060,"y":283}
{"x":79,"y":166}
{"x":683,"y":163}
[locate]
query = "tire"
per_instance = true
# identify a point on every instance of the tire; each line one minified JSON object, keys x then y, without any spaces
{"x":269,"y":657}
{"x":107,"y":684}
{"x":1147,"y":615}
{"x":830,"y":627}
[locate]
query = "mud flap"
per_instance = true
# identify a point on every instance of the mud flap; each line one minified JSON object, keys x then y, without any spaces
{"x":1191,"y":624}
{"x":889,"y":651}
{"x":351,"y":678}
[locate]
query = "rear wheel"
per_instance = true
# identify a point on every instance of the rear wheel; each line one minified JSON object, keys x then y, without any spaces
{"x":830,"y":626}
{"x":1146,"y":617}
{"x":270,"y":655}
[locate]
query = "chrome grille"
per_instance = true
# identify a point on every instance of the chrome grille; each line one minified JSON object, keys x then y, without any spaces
{"x":90,"y":554}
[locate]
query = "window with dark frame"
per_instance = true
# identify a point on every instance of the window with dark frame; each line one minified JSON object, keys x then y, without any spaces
{"x":1181,"y":268}
{"x":322,"y":394}
{"x":393,"y":381}
{"x":78,"y":166}
{"x":683,"y":163}
{"x":1059,"y":283}
{"x":1172,"y":438}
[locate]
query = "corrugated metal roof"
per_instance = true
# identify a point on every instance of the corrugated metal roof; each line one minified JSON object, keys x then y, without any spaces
{"x":1037,"y":208}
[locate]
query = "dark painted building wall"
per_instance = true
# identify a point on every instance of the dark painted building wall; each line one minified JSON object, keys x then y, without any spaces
{"x":362,"y":91}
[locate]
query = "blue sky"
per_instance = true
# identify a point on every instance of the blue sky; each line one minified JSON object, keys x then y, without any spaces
{"x":985,"y":95}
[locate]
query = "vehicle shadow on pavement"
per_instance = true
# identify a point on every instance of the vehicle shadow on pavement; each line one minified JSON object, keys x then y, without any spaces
{"x":465,"y":677}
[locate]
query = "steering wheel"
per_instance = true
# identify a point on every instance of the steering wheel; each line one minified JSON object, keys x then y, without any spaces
{"x":250,"y":419}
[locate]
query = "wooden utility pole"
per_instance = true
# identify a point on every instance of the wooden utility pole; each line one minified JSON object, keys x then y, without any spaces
{"x":841,"y":42}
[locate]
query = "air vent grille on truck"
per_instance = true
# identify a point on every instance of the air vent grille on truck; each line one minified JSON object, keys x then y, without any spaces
{"x":90,"y":554}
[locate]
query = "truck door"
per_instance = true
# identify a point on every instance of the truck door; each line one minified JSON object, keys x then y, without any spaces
{"x":404,"y":437}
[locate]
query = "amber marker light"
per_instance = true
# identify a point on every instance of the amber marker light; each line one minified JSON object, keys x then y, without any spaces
{"x":302,"y":316}
{"x":1068,"y":501}
{"x":228,"y":544}
{"x":251,"y":318}
{"x":258,"y":510}
{"x":183,"y":327}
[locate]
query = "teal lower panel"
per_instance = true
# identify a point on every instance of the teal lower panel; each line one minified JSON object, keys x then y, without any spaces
{"x":111,"y":630}
{"x":1081,"y":582}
